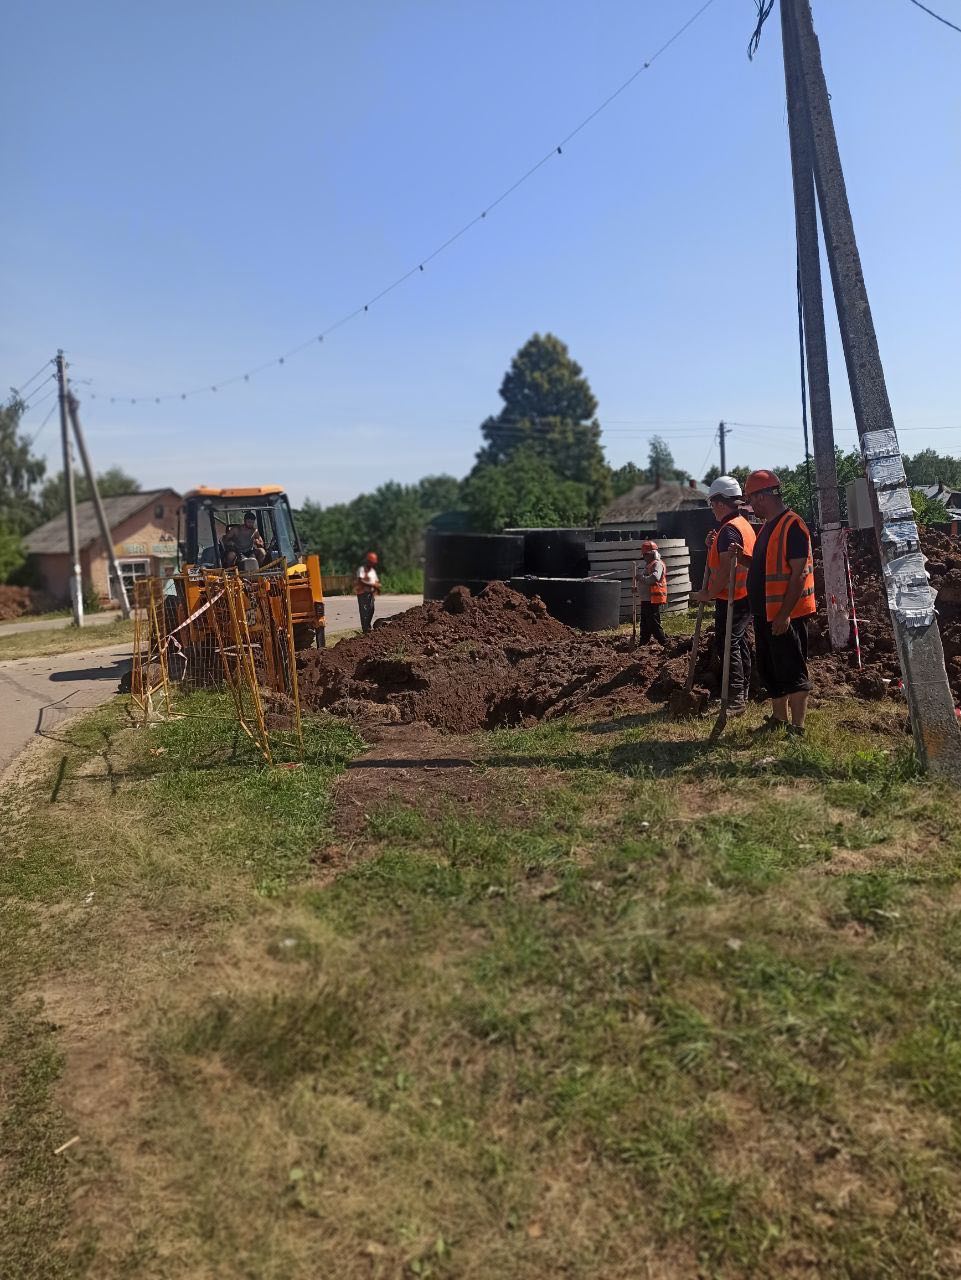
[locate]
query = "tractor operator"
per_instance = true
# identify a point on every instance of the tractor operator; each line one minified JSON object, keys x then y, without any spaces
{"x":367,"y":587}
{"x":243,"y":541}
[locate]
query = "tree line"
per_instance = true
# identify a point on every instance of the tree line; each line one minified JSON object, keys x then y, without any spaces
{"x":540,"y":463}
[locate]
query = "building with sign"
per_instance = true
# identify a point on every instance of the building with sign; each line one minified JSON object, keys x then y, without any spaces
{"x":144,"y":528}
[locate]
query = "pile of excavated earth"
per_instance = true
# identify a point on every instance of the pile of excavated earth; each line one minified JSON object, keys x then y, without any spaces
{"x":499,"y":659}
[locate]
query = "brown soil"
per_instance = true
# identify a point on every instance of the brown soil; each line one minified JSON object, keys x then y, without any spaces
{"x":498,"y":659}
{"x":486,"y":661}
{"x":881,"y":673}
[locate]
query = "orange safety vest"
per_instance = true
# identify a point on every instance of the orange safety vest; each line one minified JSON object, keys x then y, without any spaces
{"x":748,"y":536}
{"x":777,"y":572}
{"x":659,"y":589}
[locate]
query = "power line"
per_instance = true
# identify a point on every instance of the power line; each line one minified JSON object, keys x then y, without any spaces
{"x":936,"y":15}
{"x":33,"y":438}
{"x":36,"y":398}
{"x":418,"y":268}
{"x":19,"y":390}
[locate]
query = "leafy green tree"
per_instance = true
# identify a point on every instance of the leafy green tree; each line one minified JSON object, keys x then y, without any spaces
{"x":931,"y":467}
{"x":660,"y":461}
{"x":12,"y":554}
{"x":523,"y":492}
{"x":626,"y":478}
{"x":112,"y":483}
{"x":390,"y":521}
{"x":20,"y":473}
{"x":549,"y":412}
{"x":927,"y":511}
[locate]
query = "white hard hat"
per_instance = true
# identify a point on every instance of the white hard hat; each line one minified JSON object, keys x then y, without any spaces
{"x":724,"y":487}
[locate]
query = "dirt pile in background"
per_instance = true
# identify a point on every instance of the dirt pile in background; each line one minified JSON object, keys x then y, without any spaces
{"x":483,"y":661}
{"x":498,"y":659}
{"x":882,"y":672}
{"x":15,"y":602}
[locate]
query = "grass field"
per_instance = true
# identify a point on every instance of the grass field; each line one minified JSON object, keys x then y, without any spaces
{"x":602,"y":1003}
{"x":40,"y":643}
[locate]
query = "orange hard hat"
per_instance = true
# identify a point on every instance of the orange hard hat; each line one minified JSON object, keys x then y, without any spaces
{"x":648,"y":545}
{"x":757,"y":481}
{"x":372,"y":557}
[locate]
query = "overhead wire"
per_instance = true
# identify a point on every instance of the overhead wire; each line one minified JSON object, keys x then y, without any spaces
{"x":418,"y":268}
{"x":919,"y":5}
{"x":19,"y":390}
{"x":50,"y":411}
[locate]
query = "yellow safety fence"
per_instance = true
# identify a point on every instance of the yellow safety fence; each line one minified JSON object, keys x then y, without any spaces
{"x":240,"y":639}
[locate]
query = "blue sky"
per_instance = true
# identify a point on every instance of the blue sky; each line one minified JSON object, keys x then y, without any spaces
{"x":195,"y":189}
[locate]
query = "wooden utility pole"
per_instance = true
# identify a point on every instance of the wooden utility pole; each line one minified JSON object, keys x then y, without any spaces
{"x":73,"y":408}
{"x":828,"y":506}
{"x":76,"y":580}
{"x":910,"y":599}
{"x":722,"y":430}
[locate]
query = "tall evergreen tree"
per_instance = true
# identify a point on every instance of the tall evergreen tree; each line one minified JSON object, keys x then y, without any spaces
{"x":549,"y":412}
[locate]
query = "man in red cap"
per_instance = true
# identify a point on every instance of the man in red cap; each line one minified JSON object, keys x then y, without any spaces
{"x":780,"y":588}
{"x":367,"y":587}
{"x":652,"y":593}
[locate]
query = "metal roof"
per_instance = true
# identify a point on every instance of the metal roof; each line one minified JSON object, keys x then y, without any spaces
{"x":51,"y":538}
{"x":646,"y":500}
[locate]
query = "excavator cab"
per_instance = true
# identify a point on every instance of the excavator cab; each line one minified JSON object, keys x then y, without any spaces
{"x":215,"y":528}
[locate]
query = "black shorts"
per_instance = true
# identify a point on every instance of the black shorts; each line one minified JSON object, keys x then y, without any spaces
{"x":782,"y":661}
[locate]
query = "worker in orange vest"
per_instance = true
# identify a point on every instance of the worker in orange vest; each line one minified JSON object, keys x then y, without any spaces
{"x":733,"y":531}
{"x":367,"y":588}
{"x":780,"y":589}
{"x":652,"y":593}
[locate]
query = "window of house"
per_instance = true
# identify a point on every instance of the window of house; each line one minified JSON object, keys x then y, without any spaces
{"x":158,"y":511}
{"x":132,"y":571}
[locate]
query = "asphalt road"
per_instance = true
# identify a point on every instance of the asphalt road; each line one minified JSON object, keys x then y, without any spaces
{"x":38,"y":694}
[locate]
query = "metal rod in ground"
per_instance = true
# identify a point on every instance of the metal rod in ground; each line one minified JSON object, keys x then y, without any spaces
{"x":76,"y":579}
{"x":854,"y":613}
{"x":73,"y":408}
{"x":937,"y":735}
{"x":815,"y":346}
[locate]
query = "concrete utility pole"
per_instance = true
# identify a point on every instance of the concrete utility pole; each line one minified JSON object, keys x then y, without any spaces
{"x":76,"y":580}
{"x":721,"y":433}
{"x":828,"y":505}
{"x":910,"y":599}
{"x":73,"y":408}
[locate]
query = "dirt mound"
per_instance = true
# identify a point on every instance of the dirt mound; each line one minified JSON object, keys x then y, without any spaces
{"x":881,"y":673}
{"x":15,"y":602}
{"x":498,"y":658}
{"x":483,"y":661}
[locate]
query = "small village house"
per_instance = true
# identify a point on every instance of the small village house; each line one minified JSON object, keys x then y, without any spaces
{"x":144,"y":530}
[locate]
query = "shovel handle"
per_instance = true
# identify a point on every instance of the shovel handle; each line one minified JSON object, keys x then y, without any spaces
{"x":696,"y":640}
{"x":729,"y":627}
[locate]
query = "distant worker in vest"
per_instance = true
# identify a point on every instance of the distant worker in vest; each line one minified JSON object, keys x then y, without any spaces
{"x":367,"y":587}
{"x":780,"y":590}
{"x":652,"y":593}
{"x":733,"y":530}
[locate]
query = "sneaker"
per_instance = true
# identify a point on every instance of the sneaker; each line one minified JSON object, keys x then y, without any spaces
{"x":795,"y":730}
{"x":737,"y":708}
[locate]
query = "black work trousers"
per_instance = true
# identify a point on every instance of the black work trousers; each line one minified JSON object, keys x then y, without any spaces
{"x":365,"y":603}
{"x":740,"y":679}
{"x":651,"y":623}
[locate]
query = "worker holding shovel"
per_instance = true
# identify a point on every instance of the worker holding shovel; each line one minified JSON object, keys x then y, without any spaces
{"x":733,"y":531}
{"x":780,"y":590}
